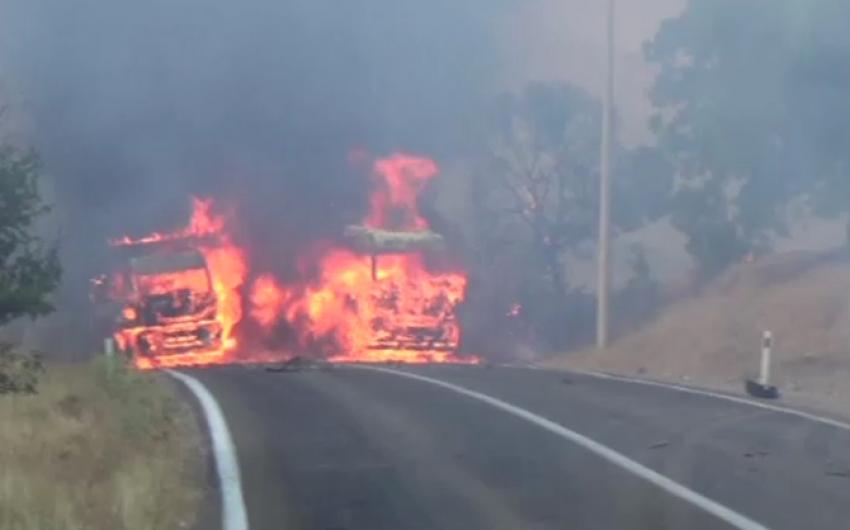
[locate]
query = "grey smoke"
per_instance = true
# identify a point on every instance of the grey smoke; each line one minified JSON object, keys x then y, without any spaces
{"x":137,"y":105}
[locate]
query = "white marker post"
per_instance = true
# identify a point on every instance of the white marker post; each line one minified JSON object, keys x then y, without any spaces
{"x":761,"y":387}
{"x":766,"y":347}
{"x":109,"y":346}
{"x":109,"y":352}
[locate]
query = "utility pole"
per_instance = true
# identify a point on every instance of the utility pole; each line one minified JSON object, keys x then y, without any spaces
{"x":604,"y":265}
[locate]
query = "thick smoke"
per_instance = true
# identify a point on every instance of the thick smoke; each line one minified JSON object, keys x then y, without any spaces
{"x":137,"y":105}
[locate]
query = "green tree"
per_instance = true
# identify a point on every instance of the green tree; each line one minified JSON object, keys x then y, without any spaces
{"x":29,"y":268}
{"x":752,"y":107}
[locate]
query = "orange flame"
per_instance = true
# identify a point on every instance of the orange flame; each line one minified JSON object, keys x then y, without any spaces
{"x":203,"y":223}
{"x":394,"y":203}
{"x":195,"y":280}
{"x":358,"y":308}
{"x":267,"y":298}
{"x":394,"y":309}
{"x":360,"y":312}
{"x":227,"y":272}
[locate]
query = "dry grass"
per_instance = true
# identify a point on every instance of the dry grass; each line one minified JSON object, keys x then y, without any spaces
{"x":100,"y":447}
{"x":714,"y":338}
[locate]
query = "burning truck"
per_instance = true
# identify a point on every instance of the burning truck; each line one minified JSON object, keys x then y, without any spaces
{"x":427,"y":321}
{"x":386,"y":293}
{"x":383,"y":291}
{"x":171,"y":299}
{"x":159,"y":302}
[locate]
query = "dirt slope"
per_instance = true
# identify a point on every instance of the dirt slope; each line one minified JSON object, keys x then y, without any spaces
{"x":713,"y":338}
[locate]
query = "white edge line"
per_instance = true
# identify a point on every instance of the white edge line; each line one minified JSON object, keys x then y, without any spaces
{"x":670,"y":486}
{"x":717,"y":395}
{"x":233,"y":513}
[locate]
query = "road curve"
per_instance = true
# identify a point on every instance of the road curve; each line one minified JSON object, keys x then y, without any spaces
{"x":345,"y":448}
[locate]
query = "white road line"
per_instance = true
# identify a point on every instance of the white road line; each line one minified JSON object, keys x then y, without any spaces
{"x":708,"y":393}
{"x":674,"y":488}
{"x":233,"y":513}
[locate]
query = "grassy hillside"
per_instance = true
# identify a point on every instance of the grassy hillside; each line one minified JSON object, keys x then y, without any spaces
{"x":98,"y":449}
{"x":714,"y":337}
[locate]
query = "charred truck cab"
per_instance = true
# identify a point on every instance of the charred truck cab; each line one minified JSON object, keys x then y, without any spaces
{"x":426,"y":320}
{"x":158,"y":301}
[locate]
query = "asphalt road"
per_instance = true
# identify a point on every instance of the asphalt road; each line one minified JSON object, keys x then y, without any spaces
{"x":347,"y":449}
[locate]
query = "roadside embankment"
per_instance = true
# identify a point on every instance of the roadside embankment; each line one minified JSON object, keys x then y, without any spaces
{"x":713,"y":338}
{"x":100,"y":446}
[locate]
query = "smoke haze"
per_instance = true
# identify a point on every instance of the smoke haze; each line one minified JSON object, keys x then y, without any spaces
{"x":137,"y":105}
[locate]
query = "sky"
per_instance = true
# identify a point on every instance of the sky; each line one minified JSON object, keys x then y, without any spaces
{"x":566,"y":39}
{"x":135,"y":105}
